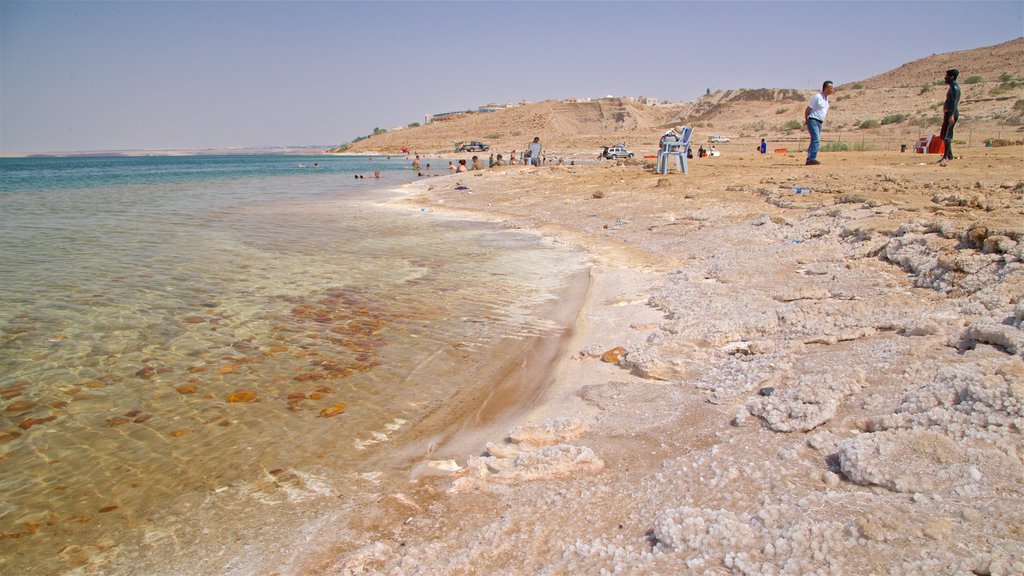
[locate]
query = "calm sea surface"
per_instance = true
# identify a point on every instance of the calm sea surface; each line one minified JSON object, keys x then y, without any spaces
{"x":223,"y":341}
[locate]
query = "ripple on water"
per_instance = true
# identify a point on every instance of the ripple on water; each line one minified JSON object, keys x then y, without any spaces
{"x":150,"y":364}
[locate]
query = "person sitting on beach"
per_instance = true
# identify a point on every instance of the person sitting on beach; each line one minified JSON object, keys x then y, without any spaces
{"x":534,"y":150}
{"x":500,"y":161}
{"x":701,"y":152}
{"x":490,"y":161}
{"x":462,"y":166}
{"x":669,"y":136}
{"x":476,"y":164}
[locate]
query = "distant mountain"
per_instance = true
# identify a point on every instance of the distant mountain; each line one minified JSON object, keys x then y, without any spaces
{"x":298,"y":150}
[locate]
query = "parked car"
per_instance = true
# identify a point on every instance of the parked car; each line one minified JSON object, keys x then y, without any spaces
{"x":473,"y":146}
{"x":717,"y":139}
{"x":616,"y":152}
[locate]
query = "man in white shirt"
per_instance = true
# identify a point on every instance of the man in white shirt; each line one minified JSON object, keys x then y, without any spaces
{"x":534,"y":151}
{"x":814,"y":116}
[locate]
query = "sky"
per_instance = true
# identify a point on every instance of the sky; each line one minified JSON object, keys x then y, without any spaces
{"x":77,"y":76}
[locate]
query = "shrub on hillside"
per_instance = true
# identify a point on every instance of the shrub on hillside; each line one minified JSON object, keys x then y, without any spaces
{"x":894,"y":119}
{"x":858,"y":86}
{"x":974,"y":80}
{"x":781,"y":110}
{"x":925,"y":88}
{"x":792,"y":125}
{"x":868,"y":124}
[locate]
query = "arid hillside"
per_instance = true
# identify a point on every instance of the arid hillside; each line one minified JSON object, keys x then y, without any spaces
{"x":879,"y":113}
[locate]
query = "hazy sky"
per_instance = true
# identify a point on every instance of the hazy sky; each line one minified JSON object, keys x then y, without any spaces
{"x":156,"y":75}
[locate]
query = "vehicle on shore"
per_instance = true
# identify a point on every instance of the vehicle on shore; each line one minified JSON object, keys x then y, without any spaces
{"x":473,"y":146}
{"x":615,"y":152}
{"x":717,"y":138}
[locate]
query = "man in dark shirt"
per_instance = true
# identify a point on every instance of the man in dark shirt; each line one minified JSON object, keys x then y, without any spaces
{"x":950,"y":113}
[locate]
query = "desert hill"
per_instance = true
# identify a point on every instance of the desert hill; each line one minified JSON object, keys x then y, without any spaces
{"x":879,"y":113}
{"x":989,"y":62}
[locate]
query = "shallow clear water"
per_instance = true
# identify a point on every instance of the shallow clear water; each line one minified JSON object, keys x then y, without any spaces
{"x":173,"y":327}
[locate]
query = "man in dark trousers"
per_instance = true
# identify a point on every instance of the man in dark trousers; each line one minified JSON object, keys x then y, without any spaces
{"x":950,"y":114}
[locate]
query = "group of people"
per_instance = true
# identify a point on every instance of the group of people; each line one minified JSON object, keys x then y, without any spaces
{"x":814,"y":118}
{"x":532,"y":155}
{"x":817,"y":108}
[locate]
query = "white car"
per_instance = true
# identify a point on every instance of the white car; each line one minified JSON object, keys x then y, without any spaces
{"x":616,"y":152}
{"x":717,"y":139}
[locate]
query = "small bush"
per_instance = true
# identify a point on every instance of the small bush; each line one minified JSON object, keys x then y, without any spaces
{"x":861,"y":147}
{"x":926,"y":121}
{"x":868,"y":124}
{"x":492,"y":136}
{"x":858,"y":86}
{"x":1019,"y":104}
{"x":781,"y":110}
{"x":925,"y":88}
{"x":974,"y":80}
{"x":835,"y":147}
{"x":792,"y":125}
{"x":894,"y":119}
{"x":1013,"y":120}
{"x":1005,"y":77}
{"x":413,"y":125}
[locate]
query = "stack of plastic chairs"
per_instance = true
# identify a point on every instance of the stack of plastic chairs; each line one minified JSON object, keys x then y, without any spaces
{"x":675,"y":150}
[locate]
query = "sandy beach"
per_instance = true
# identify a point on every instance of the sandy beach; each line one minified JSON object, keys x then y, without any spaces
{"x":819,"y":370}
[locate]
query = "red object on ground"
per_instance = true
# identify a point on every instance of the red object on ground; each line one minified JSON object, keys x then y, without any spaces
{"x":930,"y":145}
{"x":782,"y":150}
{"x":651,"y":156}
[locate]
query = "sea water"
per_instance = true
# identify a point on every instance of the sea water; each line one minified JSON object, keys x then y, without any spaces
{"x":200,"y":354}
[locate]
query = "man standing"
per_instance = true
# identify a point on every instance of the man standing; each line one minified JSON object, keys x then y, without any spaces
{"x":534,"y":151}
{"x":950,"y":114}
{"x":814,"y":116}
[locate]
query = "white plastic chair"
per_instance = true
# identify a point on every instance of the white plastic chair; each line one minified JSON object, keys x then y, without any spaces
{"x":676,"y":150}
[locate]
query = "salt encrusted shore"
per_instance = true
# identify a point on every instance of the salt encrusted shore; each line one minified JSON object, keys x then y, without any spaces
{"x":824,"y":382}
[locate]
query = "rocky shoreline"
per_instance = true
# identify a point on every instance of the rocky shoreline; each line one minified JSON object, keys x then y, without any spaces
{"x":822,"y":372}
